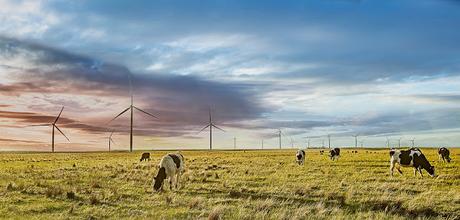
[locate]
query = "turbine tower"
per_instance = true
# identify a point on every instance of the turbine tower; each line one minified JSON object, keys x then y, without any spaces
{"x":210,"y":125}
{"x":329,"y":140}
{"x":131,"y":109}
{"x":399,"y":142}
{"x":111,"y":140}
{"x":53,"y":125}
{"x":388,"y":142}
{"x":234,"y":143}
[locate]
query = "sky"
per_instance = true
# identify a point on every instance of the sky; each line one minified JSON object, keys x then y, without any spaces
{"x":384,"y":70}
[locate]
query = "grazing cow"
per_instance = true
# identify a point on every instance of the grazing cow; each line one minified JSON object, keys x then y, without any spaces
{"x":171,"y":166}
{"x":334,"y":153}
{"x":321,"y":152}
{"x":412,"y":157}
{"x":145,"y":156}
{"x":444,"y":154}
{"x":300,"y":157}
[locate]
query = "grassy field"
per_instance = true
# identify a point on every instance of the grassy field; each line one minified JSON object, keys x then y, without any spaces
{"x":226,"y":185}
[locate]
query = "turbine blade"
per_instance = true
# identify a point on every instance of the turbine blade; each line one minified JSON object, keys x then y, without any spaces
{"x":61,"y":132}
{"x":217,"y":127}
{"x":62,"y":109}
{"x":112,"y":141}
{"x":119,"y":115}
{"x":39,"y":125}
{"x":145,"y":112}
{"x":204,"y":128}
{"x":111,"y":133}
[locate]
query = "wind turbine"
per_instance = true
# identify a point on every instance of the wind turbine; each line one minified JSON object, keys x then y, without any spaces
{"x":210,"y":125}
{"x":413,"y":142}
{"x":131,"y":109}
{"x":262,"y":144}
{"x":55,"y":126}
{"x":329,"y":140}
{"x":110,"y":139}
{"x":308,"y":142}
{"x":362,"y":143}
{"x":279,"y":136}
{"x":234,"y":143}
{"x":356,"y":140}
{"x":388,"y":142}
{"x":399,"y":142}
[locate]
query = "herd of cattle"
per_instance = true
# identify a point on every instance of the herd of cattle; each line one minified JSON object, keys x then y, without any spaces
{"x":171,"y":165}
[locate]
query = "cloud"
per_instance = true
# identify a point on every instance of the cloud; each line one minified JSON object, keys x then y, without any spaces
{"x":180,"y":101}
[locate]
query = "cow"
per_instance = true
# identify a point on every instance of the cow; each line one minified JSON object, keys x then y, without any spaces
{"x":171,"y":167}
{"x":300,"y":157}
{"x":145,"y":157}
{"x":444,"y":154}
{"x":334,"y":154}
{"x":412,"y":157}
{"x":321,"y":152}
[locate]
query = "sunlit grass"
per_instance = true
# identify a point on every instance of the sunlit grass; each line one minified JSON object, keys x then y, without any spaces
{"x":230,"y":185}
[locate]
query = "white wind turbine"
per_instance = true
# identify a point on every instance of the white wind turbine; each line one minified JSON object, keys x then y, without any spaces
{"x":53,"y":125}
{"x":210,"y":125}
{"x":131,"y":109}
{"x":110,"y":140}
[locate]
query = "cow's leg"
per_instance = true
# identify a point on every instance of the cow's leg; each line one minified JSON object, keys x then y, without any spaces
{"x":420,"y":171}
{"x":415,"y":171}
{"x":399,"y":170}
{"x":392,"y":166}
{"x":177,"y":179}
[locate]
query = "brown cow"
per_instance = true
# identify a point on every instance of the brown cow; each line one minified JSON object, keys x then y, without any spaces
{"x":145,"y":156}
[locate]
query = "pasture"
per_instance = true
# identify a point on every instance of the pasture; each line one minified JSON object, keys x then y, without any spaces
{"x":226,"y":185}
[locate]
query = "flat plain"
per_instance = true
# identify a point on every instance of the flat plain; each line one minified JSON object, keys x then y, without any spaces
{"x":226,"y":185}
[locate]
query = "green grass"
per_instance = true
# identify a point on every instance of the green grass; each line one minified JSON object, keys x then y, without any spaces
{"x":228,"y":185}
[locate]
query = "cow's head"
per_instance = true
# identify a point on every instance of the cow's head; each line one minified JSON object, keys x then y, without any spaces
{"x":159,"y":179}
{"x":430,"y":171}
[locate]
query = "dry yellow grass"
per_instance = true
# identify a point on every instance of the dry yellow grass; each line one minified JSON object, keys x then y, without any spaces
{"x":226,"y":185}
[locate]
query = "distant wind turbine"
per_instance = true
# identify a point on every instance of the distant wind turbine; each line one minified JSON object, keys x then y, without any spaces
{"x":131,"y":108}
{"x":279,"y":137}
{"x":53,"y":125}
{"x":399,"y":142}
{"x":329,"y":140}
{"x":388,"y":142}
{"x":234,"y":143}
{"x":356,"y":140}
{"x":413,"y":142}
{"x":210,"y":125}
{"x":308,"y":142}
{"x":110,"y":140}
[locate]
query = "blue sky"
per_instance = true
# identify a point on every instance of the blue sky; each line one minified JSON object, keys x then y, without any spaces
{"x":311,"y":68}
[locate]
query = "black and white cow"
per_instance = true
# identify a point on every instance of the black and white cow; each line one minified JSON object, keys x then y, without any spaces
{"x":171,"y":167}
{"x":444,"y":154}
{"x":412,"y":157}
{"x":300,"y":157}
{"x":334,"y":154}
